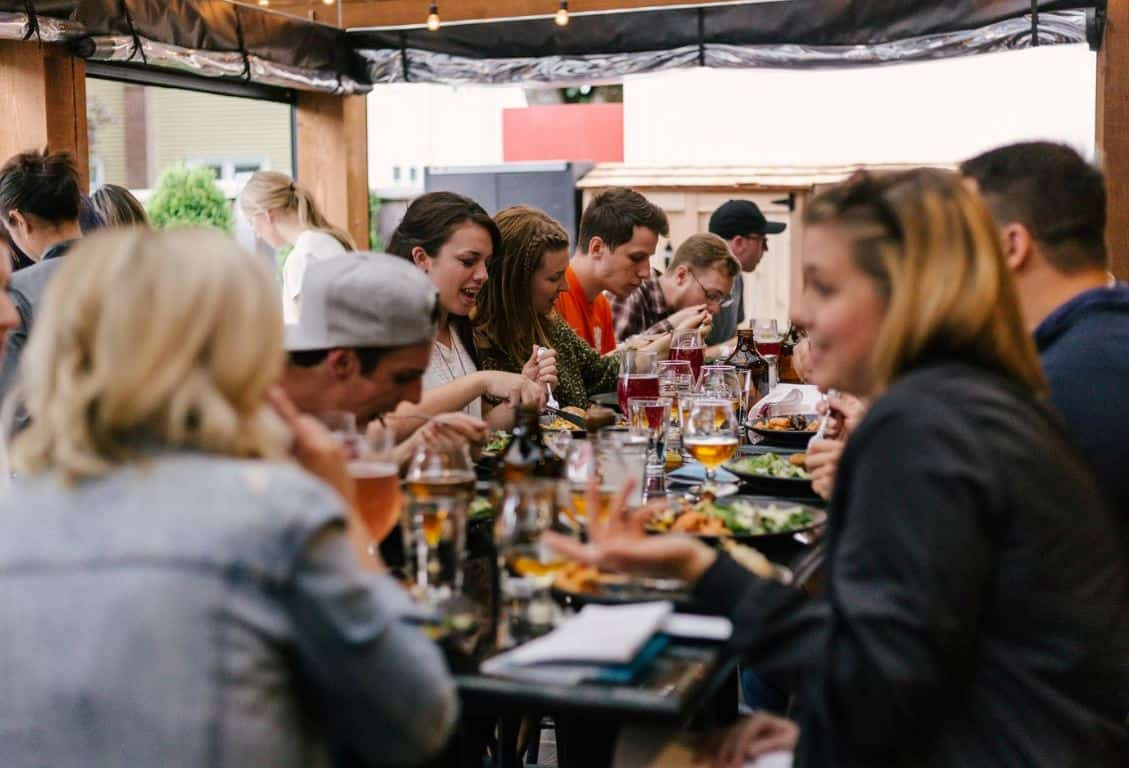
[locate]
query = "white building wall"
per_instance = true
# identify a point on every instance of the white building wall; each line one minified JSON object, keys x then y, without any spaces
{"x":931,"y":112}
{"x":415,"y":125}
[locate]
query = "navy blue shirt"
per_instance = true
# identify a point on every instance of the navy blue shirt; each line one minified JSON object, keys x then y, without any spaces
{"x":1084,"y":347}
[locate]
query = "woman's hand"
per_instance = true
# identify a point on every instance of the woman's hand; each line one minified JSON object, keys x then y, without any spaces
{"x":823,"y":464}
{"x":621,"y":544}
{"x":541,"y":366}
{"x":846,"y":413}
{"x":758,"y":735}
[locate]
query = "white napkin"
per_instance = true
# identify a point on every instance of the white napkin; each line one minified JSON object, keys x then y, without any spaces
{"x":599,"y":634}
{"x":786,"y":400}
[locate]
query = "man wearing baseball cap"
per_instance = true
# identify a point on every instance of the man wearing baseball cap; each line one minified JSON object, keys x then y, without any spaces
{"x":364,"y":335}
{"x":744,"y":228}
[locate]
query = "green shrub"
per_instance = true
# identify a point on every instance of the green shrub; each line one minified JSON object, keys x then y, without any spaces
{"x":187,"y":197}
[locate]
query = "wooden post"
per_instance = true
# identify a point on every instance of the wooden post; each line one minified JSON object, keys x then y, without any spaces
{"x":43,"y":98}
{"x":332,"y":145}
{"x":1113,"y":132}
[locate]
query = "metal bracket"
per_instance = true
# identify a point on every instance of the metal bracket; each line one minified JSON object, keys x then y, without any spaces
{"x":1034,"y":23}
{"x":1095,"y":25}
{"x":789,"y":202}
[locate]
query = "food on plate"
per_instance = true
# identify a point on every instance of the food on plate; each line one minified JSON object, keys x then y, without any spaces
{"x":771,"y":465}
{"x":794,"y":423}
{"x":480,"y":507}
{"x":499,"y":441}
{"x":731,"y":518}
{"x":582,"y":579}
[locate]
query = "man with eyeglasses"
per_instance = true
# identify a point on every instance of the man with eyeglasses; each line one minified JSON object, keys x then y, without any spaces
{"x":744,"y":228}
{"x":696,"y":286}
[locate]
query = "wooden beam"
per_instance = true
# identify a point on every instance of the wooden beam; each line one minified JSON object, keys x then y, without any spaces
{"x":43,"y":93}
{"x":332,"y":140}
{"x":1112,"y":126}
{"x":381,"y":13}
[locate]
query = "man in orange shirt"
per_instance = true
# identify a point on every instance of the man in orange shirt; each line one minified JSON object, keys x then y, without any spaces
{"x":619,"y":232}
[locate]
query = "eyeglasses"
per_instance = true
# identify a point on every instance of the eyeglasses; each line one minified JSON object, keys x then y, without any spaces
{"x":723,"y":300}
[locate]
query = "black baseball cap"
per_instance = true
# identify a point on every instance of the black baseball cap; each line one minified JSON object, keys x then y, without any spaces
{"x":742,"y":217}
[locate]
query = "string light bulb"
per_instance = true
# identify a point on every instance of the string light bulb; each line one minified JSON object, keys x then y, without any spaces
{"x":264,"y":3}
{"x":561,"y":18}
{"x":433,"y":17}
{"x":328,"y":2}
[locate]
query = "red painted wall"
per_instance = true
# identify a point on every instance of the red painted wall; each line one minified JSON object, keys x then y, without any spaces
{"x":563,"y":132}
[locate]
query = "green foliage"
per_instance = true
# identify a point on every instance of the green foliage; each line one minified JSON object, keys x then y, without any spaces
{"x":187,"y":197}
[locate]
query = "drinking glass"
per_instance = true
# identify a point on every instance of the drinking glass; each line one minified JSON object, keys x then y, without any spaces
{"x":688,"y":345}
{"x":723,"y":381}
{"x":676,"y":378}
{"x":767,"y":337}
{"x":582,"y":466}
{"x":623,"y":456}
{"x":342,"y":425}
{"x":637,"y":377}
{"x":710,"y":435}
{"x":528,"y":509}
{"x":649,"y":417}
{"x":440,"y":484}
{"x":376,"y":483}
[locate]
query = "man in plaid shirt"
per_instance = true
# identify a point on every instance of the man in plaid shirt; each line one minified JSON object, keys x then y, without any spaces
{"x":695,"y":287}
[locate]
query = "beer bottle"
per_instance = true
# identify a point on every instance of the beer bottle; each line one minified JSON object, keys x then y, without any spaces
{"x":753,"y":370}
{"x":528,"y":456}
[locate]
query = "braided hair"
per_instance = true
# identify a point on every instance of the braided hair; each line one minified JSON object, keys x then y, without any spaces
{"x":505,"y":318}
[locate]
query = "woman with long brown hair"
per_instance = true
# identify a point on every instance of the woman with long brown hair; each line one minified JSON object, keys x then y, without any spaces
{"x":515,"y":315}
{"x":283,"y":212}
{"x":975,"y":581}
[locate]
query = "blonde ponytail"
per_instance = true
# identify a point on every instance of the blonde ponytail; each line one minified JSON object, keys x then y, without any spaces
{"x":271,"y":190}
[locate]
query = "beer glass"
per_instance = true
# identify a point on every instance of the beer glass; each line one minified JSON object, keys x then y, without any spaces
{"x":637,"y":377}
{"x":687,"y":345}
{"x":649,"y":417}
{"x":710,"y":435}
{"x":440,"y":484}
{"x":376,"y":482}
{"x":528,"y":509}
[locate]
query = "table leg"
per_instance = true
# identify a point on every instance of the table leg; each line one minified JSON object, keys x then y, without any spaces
{"x":585,"y":743}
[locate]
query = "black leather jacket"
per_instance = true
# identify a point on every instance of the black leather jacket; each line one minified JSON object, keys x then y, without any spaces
{"x":976,"y":610}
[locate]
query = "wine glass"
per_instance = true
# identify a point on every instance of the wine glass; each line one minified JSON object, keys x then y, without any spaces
{"x":528,"y":509}
{"x":710,"y":435}
{"x":723,"y":381}
{"x":440,"y":484}
{"x":767,"y":337}
{"x":582,"y":466}
{"x":637,"y":377}
{"x":687,"y":345}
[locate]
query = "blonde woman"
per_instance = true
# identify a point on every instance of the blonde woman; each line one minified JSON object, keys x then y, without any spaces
{"x":975,"y":582}
{"x":173,"y":587}
{"x":283,"y":212}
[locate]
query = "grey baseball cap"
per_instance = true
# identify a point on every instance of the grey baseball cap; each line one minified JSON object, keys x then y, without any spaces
{"x":364,"y":300}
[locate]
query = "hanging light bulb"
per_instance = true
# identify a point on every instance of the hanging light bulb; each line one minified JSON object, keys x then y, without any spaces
{"x":264,"y":3}
{"x":433,"y":17}
{"x":561,"y":18}
{"x":328,"y":2}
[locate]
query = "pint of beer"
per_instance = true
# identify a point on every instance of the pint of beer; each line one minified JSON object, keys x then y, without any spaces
{"x":377,"y":488}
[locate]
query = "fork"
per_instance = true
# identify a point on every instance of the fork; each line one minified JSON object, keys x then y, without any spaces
{"x":551,"y":401}
{"x":823,"y":419}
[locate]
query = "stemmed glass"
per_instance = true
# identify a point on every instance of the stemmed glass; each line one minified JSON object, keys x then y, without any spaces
{"x":767,"y":337}
{"x":722,"y":381}
{"x":528,"y":509}
{"x":710,"y":435}
{"x":687,"y":345}
{"x":584,"y":463}
{"x":440,"y":485}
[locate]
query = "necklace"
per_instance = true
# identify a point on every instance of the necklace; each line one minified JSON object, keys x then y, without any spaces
{"x":447,"y":363}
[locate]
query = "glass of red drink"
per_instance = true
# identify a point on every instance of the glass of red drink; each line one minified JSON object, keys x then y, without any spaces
{"x":637,"y":377}
{"x":649,"y":417}
{"x":687,"y":345}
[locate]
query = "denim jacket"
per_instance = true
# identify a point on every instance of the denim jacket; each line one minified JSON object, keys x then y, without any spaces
{"x":193,"y":610}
